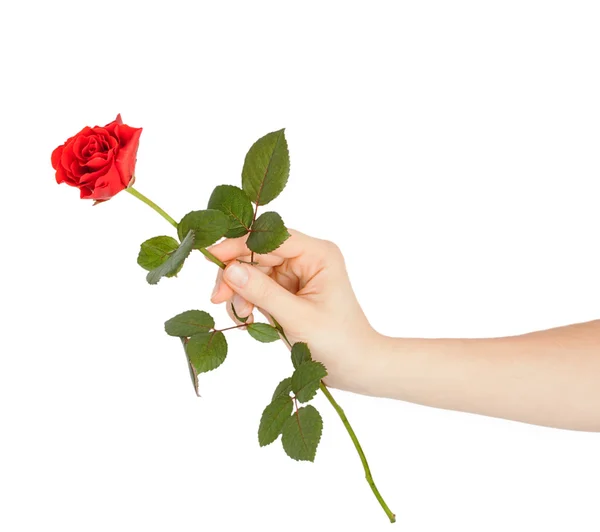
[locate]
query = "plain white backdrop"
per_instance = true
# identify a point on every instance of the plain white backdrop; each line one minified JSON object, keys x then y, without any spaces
{"x":451,"y":149}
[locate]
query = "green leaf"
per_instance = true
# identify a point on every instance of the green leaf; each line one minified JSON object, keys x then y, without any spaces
{"x":268,"y":233}
{"x":306,"y":380}
{"x":273,"y":418}
{"x":175,"y":261}
{"x":266,"y":168}
{"x":301,"y":433}
{"x":209,"y":225}
{"x":206,"y":350}
{"x":300,"y":353}
{"x":189,"y":323}
{"x":243,"y":320}
{"x":263,"y":332}
{"x":284,"y":389}
{"x":233,"y":202}
{"x":155,"y":251}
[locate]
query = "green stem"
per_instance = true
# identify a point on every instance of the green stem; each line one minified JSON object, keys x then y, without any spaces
{"x":150,"y":203}
{"x":363,"y":458}
{"x":324,"y":388}
{"x":342,"y":415}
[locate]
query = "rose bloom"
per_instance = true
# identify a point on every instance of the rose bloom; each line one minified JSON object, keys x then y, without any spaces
{"x":99,"y":161}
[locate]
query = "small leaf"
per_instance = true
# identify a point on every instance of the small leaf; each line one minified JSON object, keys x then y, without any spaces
{"x":209,"y":225}
{"x":301,"y":433}
{"x":243,"y":320}
{"x":206,"y":350}
{"x":263,"y":332}
{"x":306,"y":380}
{"x":266,"y":168}
{"x":174,"y":262}
{"x":284,"y":389}
{"x":273,"y":418}
{"x":300,"y":353}
{"x":155,"y":251}
{"x":268,"y":233}
{"x":234,"y":202}
{"x":189,"y":323}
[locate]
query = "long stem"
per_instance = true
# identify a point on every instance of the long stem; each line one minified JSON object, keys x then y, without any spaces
{"x":150,"y":203}
{"x":324,"y":388}
{"x":363,"y":458}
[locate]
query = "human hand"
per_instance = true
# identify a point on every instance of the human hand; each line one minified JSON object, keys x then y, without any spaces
{"x":304,"y":285}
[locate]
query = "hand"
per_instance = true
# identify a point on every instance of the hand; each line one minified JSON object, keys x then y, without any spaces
{"x":304,"y":285}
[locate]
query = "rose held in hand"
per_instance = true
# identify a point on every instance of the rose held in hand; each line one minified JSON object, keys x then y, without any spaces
{"x":99,"y":161}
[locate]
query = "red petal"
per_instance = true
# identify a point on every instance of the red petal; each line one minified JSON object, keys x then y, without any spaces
{"x":108,"y":185}
{"x":56,"y":156}
{"x":126,"y":156}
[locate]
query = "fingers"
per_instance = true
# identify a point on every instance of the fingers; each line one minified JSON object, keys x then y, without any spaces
{"x":262,"y":291}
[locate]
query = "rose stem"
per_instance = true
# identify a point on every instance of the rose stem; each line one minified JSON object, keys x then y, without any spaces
{"x":363,"y":458}
{"x":324,"y":388}
{"x":150,"y":203}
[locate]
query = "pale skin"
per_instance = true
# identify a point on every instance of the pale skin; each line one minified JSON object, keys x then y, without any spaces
{"x":549,"y":377}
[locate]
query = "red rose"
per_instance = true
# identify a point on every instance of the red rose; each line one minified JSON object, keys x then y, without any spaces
{"x":99,"y":161}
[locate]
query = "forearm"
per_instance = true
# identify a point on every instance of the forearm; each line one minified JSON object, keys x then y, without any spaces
{"x":549,"y":377}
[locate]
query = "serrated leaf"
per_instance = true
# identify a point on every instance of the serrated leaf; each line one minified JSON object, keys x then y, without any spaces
{"x":189,"y":323}
{"x":301,"y":433}
{"x":300,"y":353}
{"x":306,"y":380}
{"x":206,"y":350}
{"x":266,"y":168}
{"x":272,"y":420}
{"x":208,"y":225}
{"x":155,"y":251}
{"x":233,"y":202}
{"x":175,"y":261}
{"x":268,"y":233}
{"x":263,"y":332}
{"x":284,"y":389}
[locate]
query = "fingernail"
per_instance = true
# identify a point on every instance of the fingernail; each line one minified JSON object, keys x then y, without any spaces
{"x":240,"y":304}
{"x":237,"y":274}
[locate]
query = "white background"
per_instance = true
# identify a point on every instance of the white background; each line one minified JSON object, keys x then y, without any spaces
{"x":451,"y":149}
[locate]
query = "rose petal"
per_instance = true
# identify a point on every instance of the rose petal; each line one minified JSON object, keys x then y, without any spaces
{"x":126,"y":156}
{"x":108,"y":185}
{"x":56,"y":156}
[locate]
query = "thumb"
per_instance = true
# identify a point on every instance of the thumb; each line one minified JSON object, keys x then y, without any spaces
{"x":262,"y":291}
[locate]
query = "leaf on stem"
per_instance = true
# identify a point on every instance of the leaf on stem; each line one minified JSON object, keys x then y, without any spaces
{"x":206,"y":350}
{"x":284,"y":389}
{"x":193,"y":374}
{"x":239,"y":318}
{"x":266,"y":168}
{"x":273,"y":418}
{"x":263,"y":332}
{"x":155,"y":251}
{"x":189,"y":323}
{"x":233,"y":202}
{"x":300,"y":353}
{"x":301,"y":433}
{"x":267,"y":234}
{"x":209,"y":225}
{"x":306,"y":380}
{"x":175,"y":261}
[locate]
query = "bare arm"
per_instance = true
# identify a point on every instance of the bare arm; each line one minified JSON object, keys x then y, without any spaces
{"x":549,"y":377}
